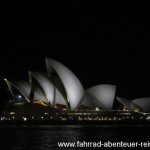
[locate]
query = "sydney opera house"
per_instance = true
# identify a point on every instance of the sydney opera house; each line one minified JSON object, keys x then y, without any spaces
{"x":58,"y":96}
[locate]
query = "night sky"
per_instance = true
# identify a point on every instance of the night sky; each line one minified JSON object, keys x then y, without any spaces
{"x":100,"y":43}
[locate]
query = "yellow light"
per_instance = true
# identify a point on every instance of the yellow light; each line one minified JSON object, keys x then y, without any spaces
{"x":40,"y":102}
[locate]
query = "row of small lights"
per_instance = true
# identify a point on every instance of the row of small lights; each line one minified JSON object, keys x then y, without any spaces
{"x":62,"y":118}
{"x":97,"y":118}
{"x":79,"y":118}
{"x":24,"y":118}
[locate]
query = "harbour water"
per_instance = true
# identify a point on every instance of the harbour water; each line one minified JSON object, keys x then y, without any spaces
{"x":46,"y":137}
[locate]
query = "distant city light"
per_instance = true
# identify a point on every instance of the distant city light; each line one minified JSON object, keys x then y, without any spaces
{"x":24,"y":118}
{"x":12,"y":113}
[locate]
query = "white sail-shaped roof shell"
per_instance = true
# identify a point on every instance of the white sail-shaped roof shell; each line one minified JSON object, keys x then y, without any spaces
{"x":70,"y":82}
{"x":25,"y":89}
{"x":125,"y":102}
{"x":135,"y":107}
{"x":48,"y":88}
{"x":45,"y":84}
{"x":104,"y":93}
{"x":39,"y":95}
{"x":91,"y":102}
{"x":59,"y":99}
{"x":143,"y":103}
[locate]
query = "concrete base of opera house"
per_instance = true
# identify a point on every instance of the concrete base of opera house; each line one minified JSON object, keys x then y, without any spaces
{"x":37,"y":114}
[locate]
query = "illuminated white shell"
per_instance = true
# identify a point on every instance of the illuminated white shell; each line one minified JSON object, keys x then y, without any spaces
{"x":125,"y":102}
{"x":45,"y":84}
{"x":70,"y":82}
{"x":25,"y":88}
{"x":143,"y":103}
{"x":104,"y":93}
{"x":48,"y":88}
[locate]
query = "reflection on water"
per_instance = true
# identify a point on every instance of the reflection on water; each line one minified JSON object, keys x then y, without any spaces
{"x":46,"y":137}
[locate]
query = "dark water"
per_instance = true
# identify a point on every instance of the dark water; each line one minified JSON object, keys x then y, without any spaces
{"x":46,"y":137}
